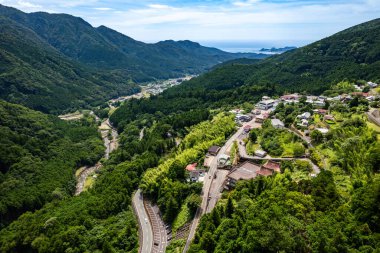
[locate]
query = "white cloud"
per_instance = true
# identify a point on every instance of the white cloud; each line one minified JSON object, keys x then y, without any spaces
{"x":103,"y":9}
{"x":227,"y":20}
{"x":159,"y":6}
{"x":247,"y":3}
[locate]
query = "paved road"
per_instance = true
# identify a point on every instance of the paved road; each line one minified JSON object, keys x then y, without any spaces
{"x":158,"y":227}
{"x":146,"y":232}
{"x":207,"y":189}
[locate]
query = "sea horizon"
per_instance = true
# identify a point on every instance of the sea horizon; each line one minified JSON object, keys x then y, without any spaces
{"x":251,"y":46}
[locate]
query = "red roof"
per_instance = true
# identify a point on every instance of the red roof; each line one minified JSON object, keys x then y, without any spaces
{"x":322,"y":111}
{"x":328,"y":117}
{"x":364,"y":94}
{"x":291,"y":96}
{"x":272,"y":166}
{"x":191,"y":167}
{"x":247,"y":127}
{"x":264,"y":172}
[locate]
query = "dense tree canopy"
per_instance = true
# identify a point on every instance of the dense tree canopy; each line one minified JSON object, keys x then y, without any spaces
{"x":38,"y":157}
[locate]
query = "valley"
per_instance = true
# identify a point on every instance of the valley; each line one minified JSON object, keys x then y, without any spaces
{"x":109,"y":144}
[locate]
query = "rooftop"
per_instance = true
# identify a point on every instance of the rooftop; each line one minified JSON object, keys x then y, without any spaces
{"x":214,"y":149}
{"x":269,"y":101}
{"x":272,"y":166}
{"x":277,"y":122}
{"x":191,"y":167}
{"x":245,"y":171}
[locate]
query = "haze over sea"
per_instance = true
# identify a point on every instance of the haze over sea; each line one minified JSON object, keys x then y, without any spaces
{"x":251,"y":46}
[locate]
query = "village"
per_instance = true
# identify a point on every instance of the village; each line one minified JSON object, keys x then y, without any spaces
{"x":271,"y":135}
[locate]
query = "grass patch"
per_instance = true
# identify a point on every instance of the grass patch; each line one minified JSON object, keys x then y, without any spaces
{"x":288,"y":149}
{"x":252,"y":147}
{"x":182,"y":218}
{"x":88,"y":183}
{"x":78,"y":171}
{"x":373,"y":126}
{"x":176,"y":246}
{"x":342,"y":182}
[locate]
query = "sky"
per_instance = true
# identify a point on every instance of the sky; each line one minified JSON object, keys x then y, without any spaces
{"x":220,"y":23}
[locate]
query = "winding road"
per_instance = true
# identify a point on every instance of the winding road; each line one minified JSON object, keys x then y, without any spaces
{"x":145,"y":228}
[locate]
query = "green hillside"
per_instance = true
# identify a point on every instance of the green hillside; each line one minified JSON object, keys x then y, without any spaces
{"x":34,"y":74}
{"x":39,"y":154}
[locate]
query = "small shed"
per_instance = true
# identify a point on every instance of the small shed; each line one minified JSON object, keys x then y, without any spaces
{"x":213,"y":150}
{"x":260,"y":153}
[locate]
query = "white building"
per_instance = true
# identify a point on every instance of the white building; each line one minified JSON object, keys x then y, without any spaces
{"x":266,"y":104}
{"x":276,"y":123}
{"x":372,"y":85}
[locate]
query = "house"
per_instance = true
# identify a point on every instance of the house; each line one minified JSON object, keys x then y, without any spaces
{"x":370,"y":98}
{"x":243,"y":117}
{"x":247,"y":128}
{"x":213,"y":150}
{"x":322,"y":130}
{"x":265,"y":104}
{"x":372,"y":85}
{"x":276,"y":123}
{"x":304,"y":115}
{"x":319,"y":103}
{"x":290,"y":97}
{"x":360,"y":94}
{"x":271,"y":165}
{"x":191,"y":167}
{"x":223,"y":161}
{"x":260,"y":153}
{"x":304,"y":123}
{"x":265,"y":98}
{"x":259,"y":119}
{"x":329,"y":117}
{"x":236,"y":111}
{"x":320,"y":111}
{"x":249,"y":170}
{"x":264,"y":172}
{"x":244,"y":171}
{"x":256,"y":112}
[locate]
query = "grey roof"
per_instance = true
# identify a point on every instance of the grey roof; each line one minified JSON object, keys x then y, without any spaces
{"x":277,"y":122}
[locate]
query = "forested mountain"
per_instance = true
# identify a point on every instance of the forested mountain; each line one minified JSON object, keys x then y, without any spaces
{"x":35,"y":74}
{"x":39,"y":154}
{"x":352,"y":54}
{"x":105,"y":48}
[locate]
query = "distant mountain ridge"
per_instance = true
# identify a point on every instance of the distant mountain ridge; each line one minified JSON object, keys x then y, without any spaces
{"x":105,"y":48}
{"x":276,"y":50}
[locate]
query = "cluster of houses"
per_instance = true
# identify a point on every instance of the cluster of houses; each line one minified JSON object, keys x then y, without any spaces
{"x":250,"y":170}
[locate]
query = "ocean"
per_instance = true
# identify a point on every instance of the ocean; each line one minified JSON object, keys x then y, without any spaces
{"x":250,"y":46}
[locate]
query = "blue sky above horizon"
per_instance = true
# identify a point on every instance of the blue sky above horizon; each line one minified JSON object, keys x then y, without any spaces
{"x":216,"y":22}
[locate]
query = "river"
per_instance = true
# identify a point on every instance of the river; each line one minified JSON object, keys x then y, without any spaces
{"x":110,"y":140}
